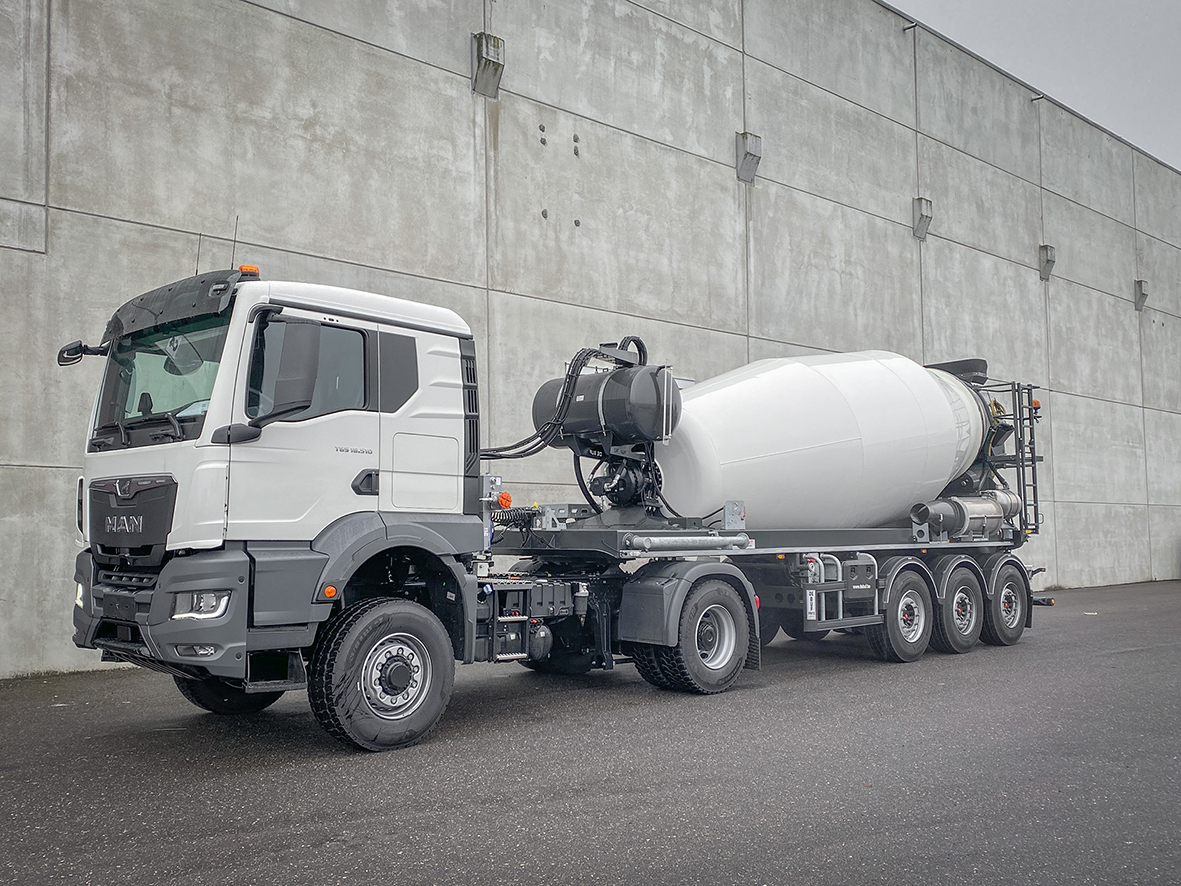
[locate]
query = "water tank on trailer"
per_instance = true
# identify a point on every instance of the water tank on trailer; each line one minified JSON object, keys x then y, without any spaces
{"x":834,"y":441}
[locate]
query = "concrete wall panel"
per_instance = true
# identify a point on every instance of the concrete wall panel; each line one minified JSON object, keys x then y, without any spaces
{"x":822,"y":144}
{"x":1042,"y":550}
{"x":22,"y":226}
{"x":762,"y":349}
{"x":550,"y":334}
{"x":23,"y":43}
{"x":719,"y":19}
{"x":39,"y":546}
{"x":659,"y":231}
{"x":1094,"y":344}
{"x":1160,"y":343}
{"x":1162,"y":430}
{"x":856,"y":49}
{"x":1102,"y":544}
{"x":618,"y":63}
{"x":827,"y":276}
{"x":1165,"y":526}
{"x":1158,"y":199}
{"x":1098,"y":452}
{"x":97,"y":265}
{"x":979,"y":205}
{"x":318,"y":142}
{"x":1084,"y":163}
{"x":437,"y":32}
{"x":970,"y":300}
{"x":1076,"y":233}
{"x":1159,"y":265}
{"x":965,"y":103}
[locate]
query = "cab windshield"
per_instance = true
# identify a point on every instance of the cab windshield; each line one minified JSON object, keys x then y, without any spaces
{"x":158,"y":382}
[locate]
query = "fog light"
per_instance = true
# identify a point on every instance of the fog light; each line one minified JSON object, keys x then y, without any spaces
{"x":202,"y":604}
{"x":196,"y":651}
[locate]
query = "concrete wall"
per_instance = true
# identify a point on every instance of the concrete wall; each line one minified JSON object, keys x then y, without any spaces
{"x":343,"y":143}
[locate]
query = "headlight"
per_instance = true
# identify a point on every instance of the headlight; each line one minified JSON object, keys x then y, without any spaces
{"x":202,"y":604}
{"x":78,"y":596}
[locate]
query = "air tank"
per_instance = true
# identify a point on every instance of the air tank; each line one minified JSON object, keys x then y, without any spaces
{"x":835,"y":441}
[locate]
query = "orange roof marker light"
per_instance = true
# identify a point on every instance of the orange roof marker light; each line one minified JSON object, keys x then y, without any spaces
{"x":248,"y":271}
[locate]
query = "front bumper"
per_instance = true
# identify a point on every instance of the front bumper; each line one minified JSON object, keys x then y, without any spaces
{"x":129,"y":615}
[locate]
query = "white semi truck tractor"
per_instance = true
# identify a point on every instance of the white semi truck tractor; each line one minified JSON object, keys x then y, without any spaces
{"x":283,"y":490}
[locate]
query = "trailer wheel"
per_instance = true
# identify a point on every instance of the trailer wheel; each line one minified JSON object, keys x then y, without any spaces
{"x":382,"y":674}
{"x":650,"y":667}
{"x":959,"y":619}
{"x":907,"y":629}
{"x":1004,"y":616}
{"x":714,"y":637}
{"x":770,"y":621}
{"x":793,"y":626}
{"x":219,"y":697}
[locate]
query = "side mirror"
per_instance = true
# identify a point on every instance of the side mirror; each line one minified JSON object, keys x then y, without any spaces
{"x":70,"y":354}
{"x":299,"y":364}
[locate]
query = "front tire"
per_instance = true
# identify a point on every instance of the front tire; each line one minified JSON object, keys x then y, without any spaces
{"x":219,"y":697}
{"x":714,"y":638}
{"x":959,"y":619}
{"x":382,"y":675}
{"x":907,"y":629}
{"x":1004,"y":616}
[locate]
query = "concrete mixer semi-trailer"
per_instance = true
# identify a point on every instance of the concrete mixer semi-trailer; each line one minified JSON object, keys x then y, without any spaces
{"x":283,"y":490}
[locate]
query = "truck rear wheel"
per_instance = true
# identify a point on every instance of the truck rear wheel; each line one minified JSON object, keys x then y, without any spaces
{"x":382,"y":674}
{"x":959,"y":618}
{"x":907,"y":629}
{"x":714,"y":637}
{"x":219,"y":697}
{"x":650,"y":667}
{"x":793,"y":626}
{"x":1004,"y":616}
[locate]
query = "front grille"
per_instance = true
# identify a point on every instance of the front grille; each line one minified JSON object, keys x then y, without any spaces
{"x":137,"y":580}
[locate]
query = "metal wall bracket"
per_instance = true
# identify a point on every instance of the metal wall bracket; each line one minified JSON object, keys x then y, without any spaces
{"x":748,"y":151}
{"x":487,"y":64}
{"x":922,"y":217}
{"x":1141,"y":294}
{"x":1046,"y":261}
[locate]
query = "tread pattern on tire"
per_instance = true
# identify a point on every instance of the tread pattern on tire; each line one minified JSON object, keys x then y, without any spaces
{"x":647,"y":658}
{"x":941,"y":638}
{"x":672,"y":660}
{"x":990,"y":633}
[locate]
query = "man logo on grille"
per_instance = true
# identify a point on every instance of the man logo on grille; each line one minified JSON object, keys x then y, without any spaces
{"x":125,"y":524}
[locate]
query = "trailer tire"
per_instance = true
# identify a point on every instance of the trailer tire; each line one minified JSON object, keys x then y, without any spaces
{"x":650,"y":666}
{"x":382,"y":674}
{"x":714,"y":638}
{"x":907,"y":629}
{"x":960,"y":617}
{"x":219,"y":697}
{"x":770,"y":621}
{"x":1004,"y":616}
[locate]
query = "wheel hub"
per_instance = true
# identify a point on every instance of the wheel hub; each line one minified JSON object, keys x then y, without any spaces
{"x":911,"y":617}
{"x":396,"y":676}
{"x":717,"y":637}
{"x":964,"y":612}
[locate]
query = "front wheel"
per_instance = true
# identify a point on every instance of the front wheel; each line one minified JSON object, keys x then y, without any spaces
{"x":907,"y":629}
{"x":714,"y":638}
{"x":219,"y":697}
{"x":382,"y":674}
{"x":1004,"y":616}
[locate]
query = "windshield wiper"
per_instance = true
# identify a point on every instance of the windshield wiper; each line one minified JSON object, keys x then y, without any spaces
{"x":176,"y":433}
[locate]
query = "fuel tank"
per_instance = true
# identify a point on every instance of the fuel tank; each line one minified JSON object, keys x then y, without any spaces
{"x":835,"y":441}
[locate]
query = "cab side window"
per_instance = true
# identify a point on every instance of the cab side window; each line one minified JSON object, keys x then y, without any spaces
{"x":340,"y":382}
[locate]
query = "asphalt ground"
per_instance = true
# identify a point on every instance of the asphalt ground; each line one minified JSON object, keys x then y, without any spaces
{"x":1052,"y":761}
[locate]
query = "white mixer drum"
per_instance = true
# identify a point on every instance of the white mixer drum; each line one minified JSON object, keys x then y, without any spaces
{"x":828,"y":442}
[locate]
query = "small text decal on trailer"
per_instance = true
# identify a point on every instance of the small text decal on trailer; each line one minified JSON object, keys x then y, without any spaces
{"x":811,"y":604}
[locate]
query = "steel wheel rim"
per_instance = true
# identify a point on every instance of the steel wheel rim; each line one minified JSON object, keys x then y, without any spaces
{"x":396,"y":676}
{"x":912,"y":616}
{"x":1010,"y":606}
{"x":963,"y":609}
{"x":717,"y":637}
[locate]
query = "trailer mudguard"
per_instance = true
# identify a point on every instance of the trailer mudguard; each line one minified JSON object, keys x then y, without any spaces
{"x":944,"y":566}
{"x":890,"y":569}
{"x":650,"y":611}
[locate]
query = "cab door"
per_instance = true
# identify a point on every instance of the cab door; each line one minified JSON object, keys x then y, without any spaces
{"x":307,"y":469}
